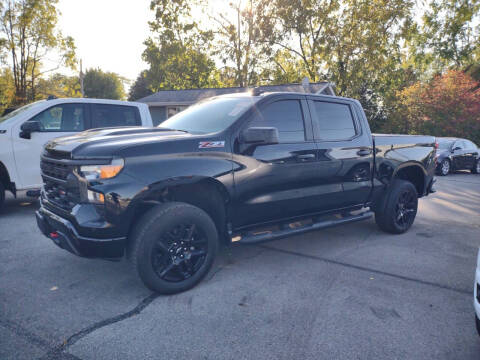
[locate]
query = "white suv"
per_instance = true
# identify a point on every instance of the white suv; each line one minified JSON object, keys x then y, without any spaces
{"x":24,"y":131}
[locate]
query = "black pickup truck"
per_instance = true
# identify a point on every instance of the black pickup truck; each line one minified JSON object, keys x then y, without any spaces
{"x":240,"y":168}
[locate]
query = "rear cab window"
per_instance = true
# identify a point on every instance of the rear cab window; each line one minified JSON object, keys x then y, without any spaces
{"x":108,"y":115}
{"x":333,"y":120}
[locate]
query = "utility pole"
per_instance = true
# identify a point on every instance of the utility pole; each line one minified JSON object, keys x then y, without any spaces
{"x":81,"y":79}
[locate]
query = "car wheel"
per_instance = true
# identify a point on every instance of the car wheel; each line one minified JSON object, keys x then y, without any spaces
{"x":445,"y":167}
{"x":477,"y":324}
{"x":2,"y":195}
{"x":398,"y":208}
{"x":173,"y":247}
{"x":476,"y":167}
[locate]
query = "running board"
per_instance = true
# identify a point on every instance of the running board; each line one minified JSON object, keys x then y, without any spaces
{"x":252,"y":238}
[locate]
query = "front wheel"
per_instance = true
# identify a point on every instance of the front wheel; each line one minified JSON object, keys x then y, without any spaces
{"x":173,"y":247}
{"x":476,"y":167}
{"x":397,"y":210}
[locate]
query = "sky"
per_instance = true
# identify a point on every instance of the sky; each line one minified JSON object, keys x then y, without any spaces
{"x":108,"y":33}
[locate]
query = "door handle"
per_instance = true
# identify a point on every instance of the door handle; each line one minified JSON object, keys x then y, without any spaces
{"x":364,"y":152}
{"x":305,"y":156}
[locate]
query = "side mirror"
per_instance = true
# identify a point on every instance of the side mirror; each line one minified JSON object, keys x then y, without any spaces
{"x":456,"y":148}
{"x":259,"y":136}
{"x":28,"y":128}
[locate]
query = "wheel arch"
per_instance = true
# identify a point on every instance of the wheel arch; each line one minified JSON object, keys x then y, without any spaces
{"x":413,"y":172}
{"x":206,"y":193}
{"x":5,"y":179}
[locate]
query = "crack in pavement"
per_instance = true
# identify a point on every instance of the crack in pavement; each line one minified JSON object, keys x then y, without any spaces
{"x":59,"y":351}
{"x":35,"y":340}
{"x":362,"y":268}
{"x":25,"y":334}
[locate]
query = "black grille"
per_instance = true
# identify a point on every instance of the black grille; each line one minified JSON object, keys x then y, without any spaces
{"x":57,"y":154}
{"x":60,"y":195}
{"x":55,"y":170}
{"x":60,"y":188}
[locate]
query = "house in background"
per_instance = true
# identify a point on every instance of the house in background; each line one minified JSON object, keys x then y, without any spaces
{"x":167,"y":103}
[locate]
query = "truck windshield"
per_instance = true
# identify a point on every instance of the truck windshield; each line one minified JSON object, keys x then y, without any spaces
{"x":210,"y":116}
{"x":16,"y":112}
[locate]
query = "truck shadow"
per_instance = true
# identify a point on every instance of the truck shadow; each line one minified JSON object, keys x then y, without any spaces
{"x":19,"y":205}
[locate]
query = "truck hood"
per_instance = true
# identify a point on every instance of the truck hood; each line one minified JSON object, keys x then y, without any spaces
{"x":106,"y":142}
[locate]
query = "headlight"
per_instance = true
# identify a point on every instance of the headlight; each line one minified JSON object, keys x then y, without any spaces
{"x":97,"y":172}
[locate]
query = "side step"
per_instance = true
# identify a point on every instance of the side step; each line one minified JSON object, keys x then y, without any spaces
{"x":254,"y":238}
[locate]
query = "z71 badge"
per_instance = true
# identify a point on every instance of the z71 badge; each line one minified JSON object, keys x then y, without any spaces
{"x":211,"y":144}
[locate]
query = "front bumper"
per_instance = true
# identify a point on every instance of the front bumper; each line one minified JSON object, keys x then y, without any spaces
{"x":63,"y":233}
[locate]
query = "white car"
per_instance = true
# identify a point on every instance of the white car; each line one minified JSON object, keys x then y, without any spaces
{"x":24,"y":131}
{"x":476,"y":294}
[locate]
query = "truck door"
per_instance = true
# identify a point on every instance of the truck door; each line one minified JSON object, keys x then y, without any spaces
{"x":282,"y":180}
{"x":58,"y":120}
{"x":341,"y":139}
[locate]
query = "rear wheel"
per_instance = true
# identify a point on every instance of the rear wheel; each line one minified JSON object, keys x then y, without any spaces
{"x":173,"y":247}
{"x":476,"y":167}
{"x":445,"y":167}
{"x":397,"y":210}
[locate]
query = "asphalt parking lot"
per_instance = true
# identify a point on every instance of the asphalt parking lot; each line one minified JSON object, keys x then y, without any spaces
{"x":350,"y":292}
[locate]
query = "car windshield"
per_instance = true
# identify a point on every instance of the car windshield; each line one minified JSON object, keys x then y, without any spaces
{"x":210,"y":116}
{"x":16,"y":112}
{"x":445,"y":144}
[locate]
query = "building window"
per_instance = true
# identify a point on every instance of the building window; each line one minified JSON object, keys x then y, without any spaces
{"x":172,"y":110}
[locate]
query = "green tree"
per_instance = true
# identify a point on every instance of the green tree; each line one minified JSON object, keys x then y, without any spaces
{"x":28,"y":31}
{"x":447,"y":105}
{"x":7,"y":89}
{"x":140,"y":87}
{"x":448,"y":35}
{"x":177,"y":52}
{"x":58,"y":85}
{"x":357,"y":44}
{"x":103,"y":85}
{"x":238,"y":42}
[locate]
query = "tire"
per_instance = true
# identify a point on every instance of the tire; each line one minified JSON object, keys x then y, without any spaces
{"x":2,"y":195}
{"x":398,"y":208}
{"x":173,"y":247}
{"x":476,"y":167}
{"x":445,"y":167}
{"x":477,"y":324}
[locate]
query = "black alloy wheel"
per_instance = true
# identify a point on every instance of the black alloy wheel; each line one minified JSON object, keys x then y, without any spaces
{"x":395,"y":212}
{"x":173,"y":247}
{"x":179,"y":253}
{"x":405,"y":209}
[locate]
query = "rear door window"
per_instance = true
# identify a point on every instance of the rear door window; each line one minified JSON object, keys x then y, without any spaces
{"x":334,"y":121}
{"x":286,"y":116}
{"x":106,"y":115}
